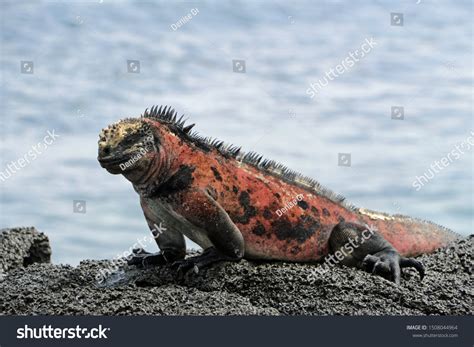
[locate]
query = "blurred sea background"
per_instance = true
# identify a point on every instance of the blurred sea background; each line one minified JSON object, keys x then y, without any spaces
{"x":80,"y":83}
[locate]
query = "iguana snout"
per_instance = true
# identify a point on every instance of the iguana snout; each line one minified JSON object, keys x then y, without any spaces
{"x":123,"y":146}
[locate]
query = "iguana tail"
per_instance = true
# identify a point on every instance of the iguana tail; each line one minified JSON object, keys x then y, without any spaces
{"x":410,"y":236}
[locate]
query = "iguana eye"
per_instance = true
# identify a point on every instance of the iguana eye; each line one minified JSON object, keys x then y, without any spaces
{"x":129,"y":140}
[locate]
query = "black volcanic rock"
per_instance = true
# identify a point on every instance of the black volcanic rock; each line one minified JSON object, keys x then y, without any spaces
{"x":243,"y":288}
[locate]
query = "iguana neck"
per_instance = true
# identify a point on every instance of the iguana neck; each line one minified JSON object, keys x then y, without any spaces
{"x":152,"y":172}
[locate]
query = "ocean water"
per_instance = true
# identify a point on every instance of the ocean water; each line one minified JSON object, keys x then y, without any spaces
{"x":76,"y":80}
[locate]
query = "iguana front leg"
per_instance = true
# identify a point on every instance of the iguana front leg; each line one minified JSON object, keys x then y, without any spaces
{"x":211,"y":228}
{"x":170,"y":241}
{"x":366,"y":249}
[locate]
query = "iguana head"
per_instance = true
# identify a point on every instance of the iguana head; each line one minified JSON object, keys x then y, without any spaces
{"x":126,"y":146}
{"x":145,"y":150}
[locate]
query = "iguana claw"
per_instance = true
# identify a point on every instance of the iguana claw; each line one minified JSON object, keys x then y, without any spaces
{"x":143,"y":259}
{"x":388,"y":264}
{"x":208,"y":257}
{"x":183,"y":266}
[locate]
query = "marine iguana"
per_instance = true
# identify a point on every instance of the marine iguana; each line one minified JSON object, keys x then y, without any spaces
{"x":226,"y":201}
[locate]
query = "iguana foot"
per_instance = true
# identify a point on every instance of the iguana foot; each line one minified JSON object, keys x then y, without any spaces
{"x":208,"y":257}
{"x":388,"y":264}
{"x":142,"y":258}
{"x":363,"y":247}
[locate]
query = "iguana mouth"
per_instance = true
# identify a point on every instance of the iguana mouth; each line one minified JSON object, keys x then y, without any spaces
{"x":112,"y":161}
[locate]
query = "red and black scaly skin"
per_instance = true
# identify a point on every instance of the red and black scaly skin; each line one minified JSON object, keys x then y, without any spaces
{"x":227,"y":202}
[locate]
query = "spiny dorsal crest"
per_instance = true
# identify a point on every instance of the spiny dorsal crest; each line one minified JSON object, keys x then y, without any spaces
{"x":169,"y":116}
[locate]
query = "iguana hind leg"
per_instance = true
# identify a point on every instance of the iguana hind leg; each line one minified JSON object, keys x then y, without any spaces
{"x":363,"y":247}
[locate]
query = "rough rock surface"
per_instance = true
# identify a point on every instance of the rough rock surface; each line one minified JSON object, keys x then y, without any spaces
{"x":243,"y":288}
{"x":22,"y":246}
